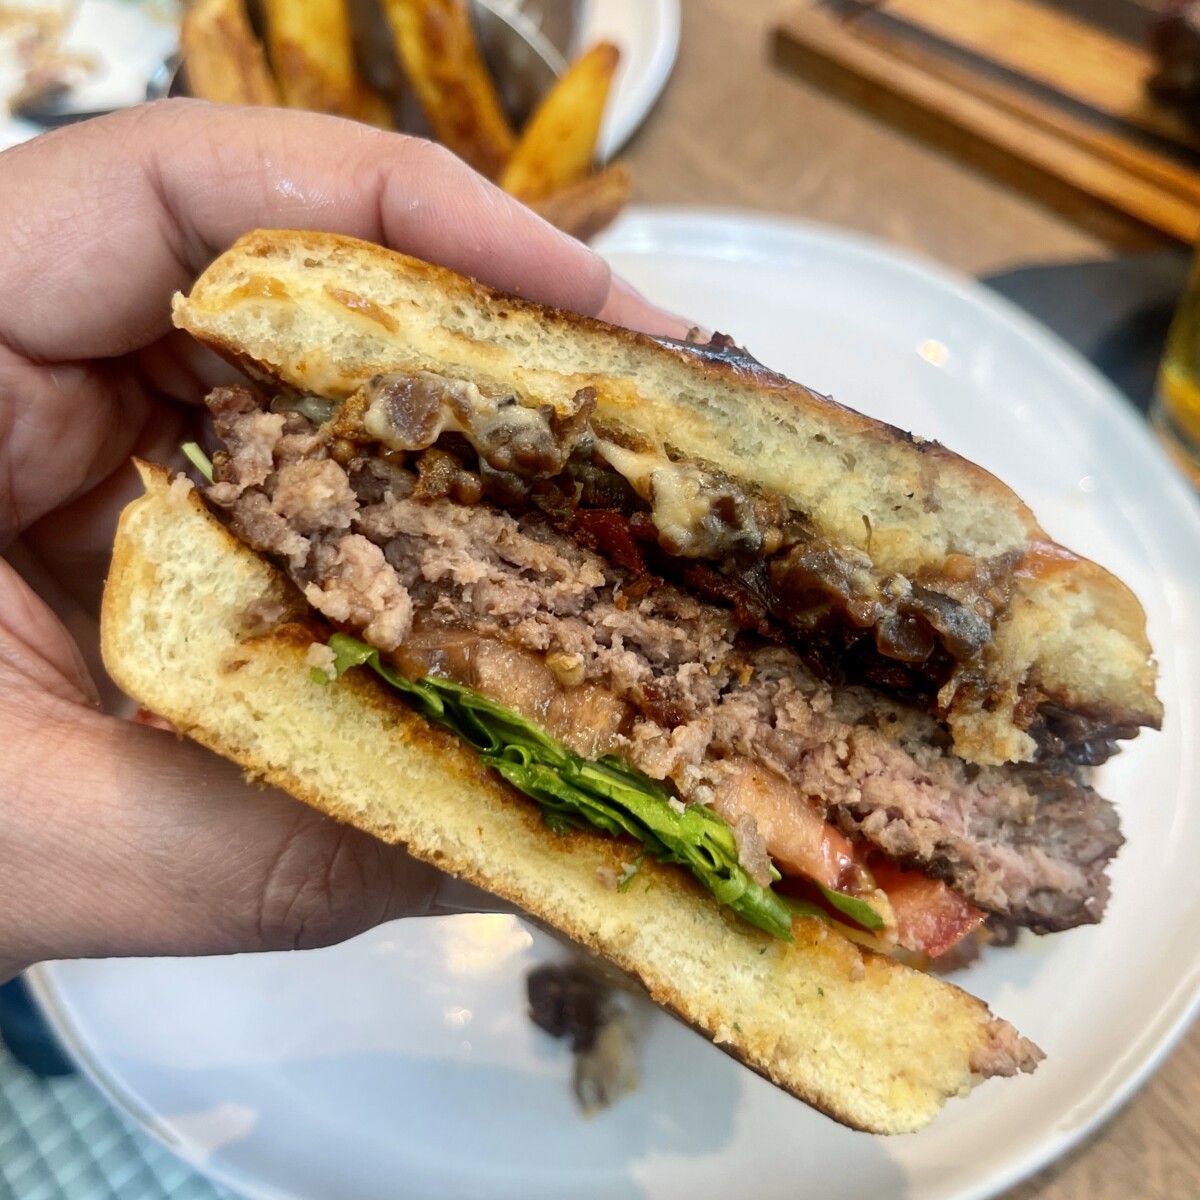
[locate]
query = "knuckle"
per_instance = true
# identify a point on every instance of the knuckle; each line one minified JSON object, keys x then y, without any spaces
{"x":426,"y":155}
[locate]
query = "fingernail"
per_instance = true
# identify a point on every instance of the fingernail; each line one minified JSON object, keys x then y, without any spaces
{"x":627,"y":306}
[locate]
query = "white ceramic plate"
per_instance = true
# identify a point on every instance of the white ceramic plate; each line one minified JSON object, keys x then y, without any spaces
{"x":128,"y":40}
{"x":403,"y":1064}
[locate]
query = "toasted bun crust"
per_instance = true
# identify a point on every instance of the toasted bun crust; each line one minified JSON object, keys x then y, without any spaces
{"x":874,"y":1044}
{"x":323,"y":313}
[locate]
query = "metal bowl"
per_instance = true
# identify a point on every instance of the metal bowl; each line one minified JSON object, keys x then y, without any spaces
{"x":522,"y":60}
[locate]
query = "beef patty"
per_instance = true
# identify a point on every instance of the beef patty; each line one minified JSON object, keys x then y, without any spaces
{"x":406,"y":551}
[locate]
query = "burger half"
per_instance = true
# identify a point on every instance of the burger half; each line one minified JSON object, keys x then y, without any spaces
{"x":764,"y":701}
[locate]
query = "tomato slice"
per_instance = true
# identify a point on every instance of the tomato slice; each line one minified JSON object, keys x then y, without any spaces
{"x":930,"y":917}
{"x":798,"y":838}
{"x":925,"y":915}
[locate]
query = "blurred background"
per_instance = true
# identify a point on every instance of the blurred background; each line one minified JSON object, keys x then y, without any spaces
{"x":1050,"y":148}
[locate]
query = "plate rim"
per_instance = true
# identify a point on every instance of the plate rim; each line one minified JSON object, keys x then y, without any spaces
{"x":646,"y":224}
{"x":621,"y":123}
{"x":1100,"y":394}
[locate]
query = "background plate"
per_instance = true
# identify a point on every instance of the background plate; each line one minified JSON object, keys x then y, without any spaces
{"x":403,"y":1060}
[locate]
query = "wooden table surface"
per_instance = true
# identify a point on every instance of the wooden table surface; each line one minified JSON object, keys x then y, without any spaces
{"x":733,"y":130}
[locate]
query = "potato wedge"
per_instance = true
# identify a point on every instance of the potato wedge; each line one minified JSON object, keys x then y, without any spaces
{"x":585,"y":208}
{"x":558,"y":146}
{"x":223,"y":59}
{"x":437,"y":48}
{"x":312,"y":54}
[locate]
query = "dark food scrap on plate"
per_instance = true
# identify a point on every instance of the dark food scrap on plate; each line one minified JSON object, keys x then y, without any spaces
{"x":47,"y":73}
{"x":575,"y":1001}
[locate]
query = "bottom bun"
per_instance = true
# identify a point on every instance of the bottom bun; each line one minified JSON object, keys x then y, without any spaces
{"x":875,"y":1045}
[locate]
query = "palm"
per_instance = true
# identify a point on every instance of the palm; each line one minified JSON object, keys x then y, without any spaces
{"x":283,"y":875}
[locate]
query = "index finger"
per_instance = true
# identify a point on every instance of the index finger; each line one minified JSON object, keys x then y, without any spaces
{"x":105,"y":220}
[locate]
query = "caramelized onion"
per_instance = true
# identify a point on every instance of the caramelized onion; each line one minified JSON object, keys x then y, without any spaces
{"x":904,"y":637}
{"x":316,"y":408}
{"x":405,"y":412}
{"x":962,"y":630}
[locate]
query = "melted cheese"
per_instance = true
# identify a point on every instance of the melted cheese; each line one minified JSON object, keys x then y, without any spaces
{"x":681,"y":506}
{"x":460,"y":407}
{"x":637,"y":466}
{"x":682,"y":497}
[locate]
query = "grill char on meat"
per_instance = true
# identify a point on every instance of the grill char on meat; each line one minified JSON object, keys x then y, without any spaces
{"x":400,"y":549}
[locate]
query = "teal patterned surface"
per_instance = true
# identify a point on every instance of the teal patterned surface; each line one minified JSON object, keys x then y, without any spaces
{"x":60,"y":1140}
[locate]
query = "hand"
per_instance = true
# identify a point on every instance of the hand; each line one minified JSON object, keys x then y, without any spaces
{"x":115,"y":837}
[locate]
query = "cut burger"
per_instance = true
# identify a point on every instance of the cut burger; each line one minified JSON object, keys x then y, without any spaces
{"x":803,"y":675}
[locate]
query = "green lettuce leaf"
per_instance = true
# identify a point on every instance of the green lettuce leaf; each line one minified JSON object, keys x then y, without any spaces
{"x":574,"y":793}
{"x":198,"y":459}
{"x":630,"y":872}
{"x":855,"y":909}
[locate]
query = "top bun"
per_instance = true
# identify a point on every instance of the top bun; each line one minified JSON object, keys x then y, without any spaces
{"x":322,"y":314}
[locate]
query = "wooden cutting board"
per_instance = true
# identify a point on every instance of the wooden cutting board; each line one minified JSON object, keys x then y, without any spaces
{"x":1049,"y":95}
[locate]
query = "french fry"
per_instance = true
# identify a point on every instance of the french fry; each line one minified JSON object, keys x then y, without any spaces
{"x":437,"y":48}
{"x":558,"y":145}
{"x":313,"y":65}
{"x":223,"y":59}
{"x":585,"y":208}
{"x":312,"y":54}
